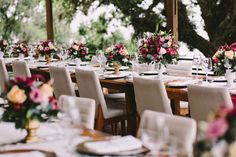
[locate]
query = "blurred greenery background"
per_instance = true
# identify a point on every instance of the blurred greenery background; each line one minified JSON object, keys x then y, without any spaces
{"x":100,"y":23}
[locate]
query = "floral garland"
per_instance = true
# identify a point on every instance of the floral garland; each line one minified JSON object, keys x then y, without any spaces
{"x":159,"y":47}
{"x":78,"y":50}
{"x":46,"y":47}
{"x":117,"y":53}
{"x":20,"y":48}
{"x":225,"y":58}
{"x":29,"y":99}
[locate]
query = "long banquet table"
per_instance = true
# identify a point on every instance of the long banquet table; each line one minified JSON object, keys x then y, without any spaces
{"x":124,"y":85}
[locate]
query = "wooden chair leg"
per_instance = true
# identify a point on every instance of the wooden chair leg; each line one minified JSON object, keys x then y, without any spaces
{"x":100,"y":119}
{"x":123,"y":128}
{"x":116,"y":128}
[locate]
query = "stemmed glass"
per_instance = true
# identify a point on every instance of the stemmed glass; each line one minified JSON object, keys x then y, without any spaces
{"x":206,"y":66}
{"x":134,"y":61}
{"x":100,"y":58}
{"x":69,"y":118}
{"x":197,"y":62}
{"x":155,"y":139}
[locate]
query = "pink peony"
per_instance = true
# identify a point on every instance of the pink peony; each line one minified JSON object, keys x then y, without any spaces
{"x":36,"y":95}
{"x":217,"y":128}
{"x":233,"y":47}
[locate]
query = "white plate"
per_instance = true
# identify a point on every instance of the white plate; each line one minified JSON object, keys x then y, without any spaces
{"x":114,"y":76}
{"x":81,"y":64}
{"x":53,"y":60}
{"x":177,"y":84}
{"x":121,"y":68}
{"x":150,"y":73}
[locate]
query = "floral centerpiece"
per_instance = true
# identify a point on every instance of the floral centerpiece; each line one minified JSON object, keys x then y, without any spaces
{"x":78,"y":50}
{"x":225,"y":58}
{"x":29,"y":102}
{"x":3,"y":45}
{"x":219,"y":135}
{"x":159,"y":48}
{"x":20,"y":48}
{"x":46,"y":48}
{"x":116,"y":56}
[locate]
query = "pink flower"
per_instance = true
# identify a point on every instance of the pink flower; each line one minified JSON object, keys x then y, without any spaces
{"x":36,"y":95}
{"x":233,"y":47}
{"x":171,"y":51}
{"x":217,"y":128}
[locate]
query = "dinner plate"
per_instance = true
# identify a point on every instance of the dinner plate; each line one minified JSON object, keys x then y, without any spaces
{"x":177,"y":84}
{"x":42,"y":66}
{"x":52,"y":60}
{"x":82,"y":149}
{"x":19,"y":151}
{"x":150,"y":73}
{"x":219,"y":79}
{"x":81,"y":64}
{"x":121,"y":68}
{"x":114,"y":76}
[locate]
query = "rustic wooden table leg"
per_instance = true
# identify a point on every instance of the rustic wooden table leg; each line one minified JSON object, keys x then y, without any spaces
{"x":131,"y":110}
{"x":175,"y":106}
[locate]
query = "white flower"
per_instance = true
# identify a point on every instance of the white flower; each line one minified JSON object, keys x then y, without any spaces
{"x":125,"y":60}
{"x":162,"y":51}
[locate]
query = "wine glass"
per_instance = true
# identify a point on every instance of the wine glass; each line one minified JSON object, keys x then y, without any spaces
{"x":69,"y":118}
{"x":206,"y":66}
{"x":134,"y":61}
{"x":197,"y":62}
{"x":100,"y":58}
{"x":156,"y":138}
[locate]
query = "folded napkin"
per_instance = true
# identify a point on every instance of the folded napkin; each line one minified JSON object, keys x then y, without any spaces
{"x":125,"y":143}
{"x":24,"y":154}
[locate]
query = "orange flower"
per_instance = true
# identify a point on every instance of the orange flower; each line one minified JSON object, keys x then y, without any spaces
{"x":229,"y":54}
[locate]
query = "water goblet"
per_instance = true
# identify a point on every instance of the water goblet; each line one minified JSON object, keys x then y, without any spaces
{"x":197,"y":62}
{"x":206,"y":66}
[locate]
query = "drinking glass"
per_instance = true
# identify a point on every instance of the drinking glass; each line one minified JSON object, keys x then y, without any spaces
{"x":134,"y":61}
{"x":206,"y":66}
{"x":197,"y":62}
{"x":31,"y":52}
{"x":155,"y":139}
{"x":100,"y":59}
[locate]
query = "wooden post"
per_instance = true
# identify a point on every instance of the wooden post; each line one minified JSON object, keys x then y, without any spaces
{"x":172,"y":16}
{"x":49,"y":19}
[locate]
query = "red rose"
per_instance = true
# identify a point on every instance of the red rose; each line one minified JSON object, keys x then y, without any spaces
{"x":216,"y":60}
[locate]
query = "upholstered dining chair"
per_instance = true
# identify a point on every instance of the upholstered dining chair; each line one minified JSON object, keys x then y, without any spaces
{"x":3,"y":75}
{"x":86,"y":108}
{"x":181,"y":68}
{"x":62,"y":81}
{"x":203,"y":99}
{"x":106,"y":113}
{"x":182,"y":130}
{"x":151,"y":94}
{"x":20,"y":68}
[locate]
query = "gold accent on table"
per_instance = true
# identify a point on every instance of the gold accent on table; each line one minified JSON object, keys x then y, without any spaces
{"x":31,"y":128}
{"x":116,"y":65}
{"x":48,"y":59}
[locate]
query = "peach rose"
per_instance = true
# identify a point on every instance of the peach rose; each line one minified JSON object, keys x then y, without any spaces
{"x":76,"y":47}
{"x":46,"y":89}
{"x":16,"y":95}
{"x":229,"y":54}
{"x":109,"y":49}
{"x":51,"y":46}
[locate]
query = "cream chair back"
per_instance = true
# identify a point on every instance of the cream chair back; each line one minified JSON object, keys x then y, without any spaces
{"x":86,"y":108}
{"x":182,"y":68}
{"x":3,"y":75}
{"x":204,"y":99}
{"x":20,"y":68}
{"x":90,"y":87}
{"x":62,"y":81}
{"x":180,"y":128}
{"x":151,"y":94}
